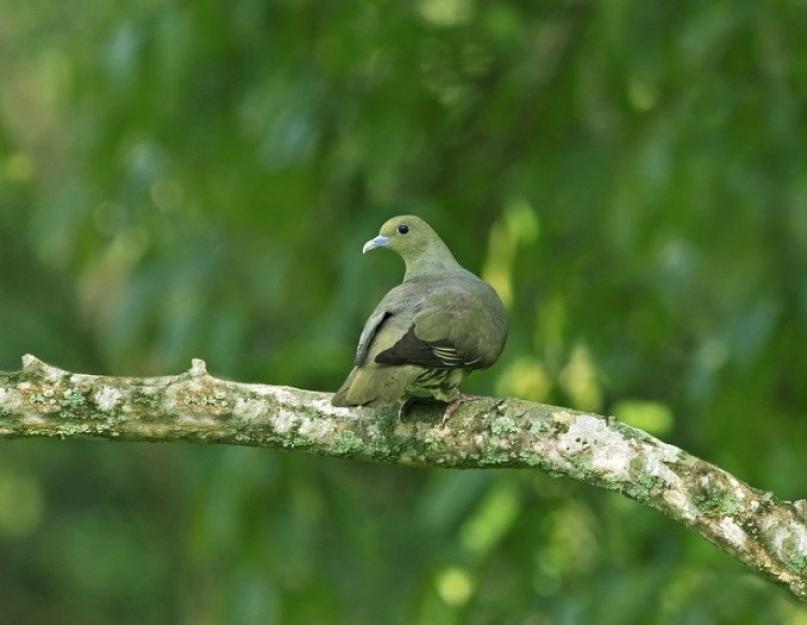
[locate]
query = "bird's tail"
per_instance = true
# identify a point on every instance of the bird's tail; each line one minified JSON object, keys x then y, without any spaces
{"x":375,"y":386}
{"x":340,"y":398}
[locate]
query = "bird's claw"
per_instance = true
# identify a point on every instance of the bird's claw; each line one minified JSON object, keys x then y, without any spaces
{"x":451,"y":407}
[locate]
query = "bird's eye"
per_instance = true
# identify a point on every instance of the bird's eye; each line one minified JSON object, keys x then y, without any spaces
{"x":403,"y":229}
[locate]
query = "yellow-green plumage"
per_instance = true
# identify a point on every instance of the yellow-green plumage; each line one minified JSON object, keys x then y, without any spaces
{"x":428,"y":332}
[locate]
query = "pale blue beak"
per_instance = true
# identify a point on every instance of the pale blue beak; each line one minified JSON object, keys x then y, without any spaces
{"x":372,"y":244}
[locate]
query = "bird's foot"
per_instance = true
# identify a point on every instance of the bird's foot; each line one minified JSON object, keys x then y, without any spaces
{"x":452,"y":406}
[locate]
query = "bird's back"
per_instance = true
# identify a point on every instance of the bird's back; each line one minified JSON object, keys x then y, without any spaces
{"x":448,"y":321}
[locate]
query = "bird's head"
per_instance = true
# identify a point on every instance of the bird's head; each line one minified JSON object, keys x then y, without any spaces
{"x":407,"y":235}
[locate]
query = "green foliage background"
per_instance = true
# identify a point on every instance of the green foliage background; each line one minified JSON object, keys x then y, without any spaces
{"x":184,"y":179}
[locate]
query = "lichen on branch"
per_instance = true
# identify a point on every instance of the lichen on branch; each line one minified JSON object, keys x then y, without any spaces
{"x":753,"y":526}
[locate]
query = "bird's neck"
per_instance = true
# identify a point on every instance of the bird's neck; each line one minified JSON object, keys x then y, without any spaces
{"x":437,"y":260}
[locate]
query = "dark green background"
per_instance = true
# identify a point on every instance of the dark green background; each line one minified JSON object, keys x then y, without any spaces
{"x":183,"y":179}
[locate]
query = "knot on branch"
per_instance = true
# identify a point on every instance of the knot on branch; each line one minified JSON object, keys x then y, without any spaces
{"x":198,"y":368}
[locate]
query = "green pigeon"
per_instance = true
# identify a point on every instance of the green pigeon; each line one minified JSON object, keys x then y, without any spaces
{"x":430,"y":331}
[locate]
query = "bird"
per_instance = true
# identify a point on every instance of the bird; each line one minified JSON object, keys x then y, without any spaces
{"x":427,"y":333}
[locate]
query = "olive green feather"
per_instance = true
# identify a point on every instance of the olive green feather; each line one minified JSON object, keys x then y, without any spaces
{"x":430,"y":331}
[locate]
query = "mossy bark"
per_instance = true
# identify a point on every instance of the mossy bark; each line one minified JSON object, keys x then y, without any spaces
{"x":769,"y":535}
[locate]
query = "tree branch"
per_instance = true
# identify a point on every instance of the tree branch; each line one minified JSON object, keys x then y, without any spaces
{"x":751,"y":525}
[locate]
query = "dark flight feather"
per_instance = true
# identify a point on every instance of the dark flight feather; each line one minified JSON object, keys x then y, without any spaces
{"x":441,"y":354}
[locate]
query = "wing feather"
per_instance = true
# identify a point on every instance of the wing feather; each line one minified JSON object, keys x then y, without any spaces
{"x":368,"y":334}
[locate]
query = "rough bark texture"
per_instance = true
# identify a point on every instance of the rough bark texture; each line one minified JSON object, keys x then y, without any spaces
{"x":753,"y":526}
